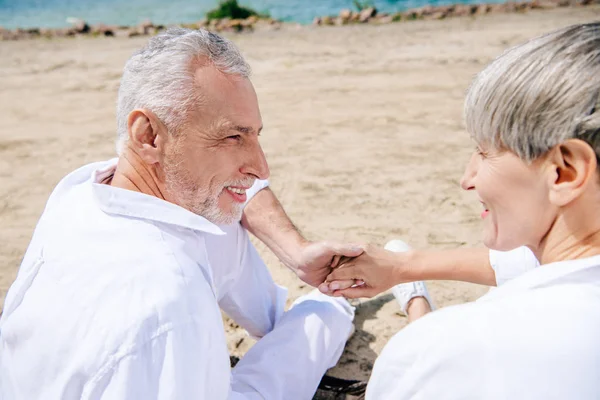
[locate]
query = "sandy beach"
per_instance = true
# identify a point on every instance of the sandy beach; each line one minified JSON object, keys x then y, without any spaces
{"x":363,"y":134}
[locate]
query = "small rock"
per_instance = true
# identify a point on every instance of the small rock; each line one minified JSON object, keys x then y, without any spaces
{"x":133,"y":32}
{"x":326,"y":20}
{"x":386,"y":19}
{"x":223,"y":24}
{"x":482,"y":9}
{"x":461,"y":10}
{"x":435,"y":15}
{"x":317,"y":21}
{"x":65,"y":32}
{"x":397,"y":17}
{"x":248,"y":23}
{"x":46,"y":32}
{"x":497,"y":8}
{"x":275,"y":25}
{"x":6,"y":34}
{"x":79,"y":25}
{"x":236,"y":25}
{"x":366,"y":14}
{"x":203,"y":23}
{"x":213,"y":23}
{"x":146,"y":27}
{"x":427,"y":10}
{"x":104,"y":30}
{"x":345,"y":15}
{"x":543,"y":5}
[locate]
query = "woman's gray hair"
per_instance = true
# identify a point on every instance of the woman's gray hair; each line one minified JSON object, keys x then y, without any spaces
{"x":160,"y":76}
{"x":539,"y":94}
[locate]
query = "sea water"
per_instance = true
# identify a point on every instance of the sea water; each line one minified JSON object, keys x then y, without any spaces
{"x":53,"y":13}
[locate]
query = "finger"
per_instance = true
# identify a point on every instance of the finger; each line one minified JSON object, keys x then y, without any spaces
{"x":343,"y":260}
{"x":324,"y":288}
{"x":339,"y":285}
{"x":346,"y":249}
{"x":345,"y":273}
{"x":335,"y":261}
{"x":355,"y":292}
{"x":330,"y":287}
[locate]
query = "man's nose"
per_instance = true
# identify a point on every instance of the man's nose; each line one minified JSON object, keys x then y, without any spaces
{"x":256,"y":163}
{"x":468,"y":177}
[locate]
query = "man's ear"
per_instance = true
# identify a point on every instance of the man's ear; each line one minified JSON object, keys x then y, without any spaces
{"x":572,"y":168}
{"x":145,"y":134}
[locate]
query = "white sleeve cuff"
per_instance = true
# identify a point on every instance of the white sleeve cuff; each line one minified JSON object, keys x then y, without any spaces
{"x":257,"y":187}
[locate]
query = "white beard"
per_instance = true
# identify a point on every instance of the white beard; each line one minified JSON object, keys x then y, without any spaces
{"x":199,"y":200}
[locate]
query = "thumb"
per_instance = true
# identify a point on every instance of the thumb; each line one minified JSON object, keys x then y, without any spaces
{"x":347,"y":249}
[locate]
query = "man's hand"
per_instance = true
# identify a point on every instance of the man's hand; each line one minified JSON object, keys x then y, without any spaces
{"x":377,"y":269}
{"x":316,"y":260}
{"x":265,"y":218}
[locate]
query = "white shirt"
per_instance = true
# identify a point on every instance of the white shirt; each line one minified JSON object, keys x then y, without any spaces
{"x":118,"y":289}
{"x":534,"y":337}
{"x":510,"y":264}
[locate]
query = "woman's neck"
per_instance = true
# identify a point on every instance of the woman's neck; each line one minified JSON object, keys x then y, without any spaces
{"x":574,"y":234}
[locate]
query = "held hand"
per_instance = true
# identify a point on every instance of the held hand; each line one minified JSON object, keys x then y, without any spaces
{"x":379,"y":269}
{"x":316,"y":260}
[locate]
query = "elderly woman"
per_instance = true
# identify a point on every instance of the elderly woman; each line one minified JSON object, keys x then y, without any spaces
{"x":534,"y":114}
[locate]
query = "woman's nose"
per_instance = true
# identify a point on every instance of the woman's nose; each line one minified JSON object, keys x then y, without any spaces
{"x":468,"y":177}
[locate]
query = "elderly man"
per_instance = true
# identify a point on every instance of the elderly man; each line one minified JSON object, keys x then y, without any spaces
{"x":119,"y":292}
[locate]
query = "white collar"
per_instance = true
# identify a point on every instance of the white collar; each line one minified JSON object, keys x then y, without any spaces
{"x":117,"y":201}
{"x":581,"y":271}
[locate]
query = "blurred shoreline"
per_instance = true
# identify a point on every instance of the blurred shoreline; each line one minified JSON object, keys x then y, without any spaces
{"x":369,"y":15}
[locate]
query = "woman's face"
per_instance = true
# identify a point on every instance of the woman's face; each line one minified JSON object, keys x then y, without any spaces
{"x":514,"y":195}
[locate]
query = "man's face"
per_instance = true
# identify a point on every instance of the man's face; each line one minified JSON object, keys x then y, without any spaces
{"x":209,"y":165}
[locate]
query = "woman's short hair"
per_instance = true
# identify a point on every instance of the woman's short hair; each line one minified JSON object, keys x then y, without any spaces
{"x":539,"y":94}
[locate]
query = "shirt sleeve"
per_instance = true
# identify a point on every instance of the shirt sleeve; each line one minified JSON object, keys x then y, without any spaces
{"x":253,"y":300}
{"x":510,"y":264}
{"x":259,"y":185}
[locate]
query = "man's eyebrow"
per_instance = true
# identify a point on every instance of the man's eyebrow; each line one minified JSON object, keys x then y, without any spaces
{"x":246,"y":129}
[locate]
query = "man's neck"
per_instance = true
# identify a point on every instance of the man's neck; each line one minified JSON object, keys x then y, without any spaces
{"x":132,"y":173}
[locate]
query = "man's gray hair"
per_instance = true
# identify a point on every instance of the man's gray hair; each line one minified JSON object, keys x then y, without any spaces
{"x":160,"y":76}
{"x":539,"y":94}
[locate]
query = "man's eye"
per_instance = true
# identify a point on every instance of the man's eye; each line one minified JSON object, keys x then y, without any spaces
{"x":234,"y":137}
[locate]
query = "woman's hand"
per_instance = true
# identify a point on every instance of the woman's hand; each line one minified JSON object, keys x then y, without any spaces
{"x":374,"y":271}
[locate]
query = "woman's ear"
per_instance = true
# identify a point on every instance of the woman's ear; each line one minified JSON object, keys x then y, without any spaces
{"x":145,"y":129}
{"x":572,"y":168}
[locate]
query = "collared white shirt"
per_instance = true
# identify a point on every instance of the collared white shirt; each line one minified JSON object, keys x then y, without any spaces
{"x":118,"y":289}
{"x":508,"y":265}
{"x":534,"y":337}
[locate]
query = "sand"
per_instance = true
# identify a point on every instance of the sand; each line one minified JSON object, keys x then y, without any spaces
{"x":363,"y":134}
